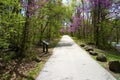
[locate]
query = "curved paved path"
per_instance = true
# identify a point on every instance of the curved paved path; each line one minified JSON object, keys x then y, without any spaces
{"x":70,"y":62}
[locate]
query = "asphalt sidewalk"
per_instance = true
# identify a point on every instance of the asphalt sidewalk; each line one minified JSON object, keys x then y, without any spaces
{"x":71,"y":62}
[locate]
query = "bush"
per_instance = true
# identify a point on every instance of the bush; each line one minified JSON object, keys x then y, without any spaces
{"x":8,"y":56}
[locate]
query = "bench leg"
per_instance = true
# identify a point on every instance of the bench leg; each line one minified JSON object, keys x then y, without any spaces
{"x":46,"y":48}
{"x":43,"y":48}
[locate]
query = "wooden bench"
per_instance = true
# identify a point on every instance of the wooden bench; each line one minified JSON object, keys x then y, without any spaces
{"x":45,"y":46}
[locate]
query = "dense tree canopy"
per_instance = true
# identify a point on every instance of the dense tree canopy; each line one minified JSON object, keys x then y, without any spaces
{"x":24,"y":23}
{"x":94,"y":21}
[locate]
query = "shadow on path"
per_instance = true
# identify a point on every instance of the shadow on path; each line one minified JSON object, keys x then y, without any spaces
{"x":71,"y":62}
{"x":64,"y":45}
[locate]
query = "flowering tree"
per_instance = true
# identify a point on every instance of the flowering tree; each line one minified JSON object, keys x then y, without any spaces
{"x":29,"y":7}
{"x":95,"y":20}
{"x":115,"y":15}
{"x":76,"y":23}
{"x":45,"y":16}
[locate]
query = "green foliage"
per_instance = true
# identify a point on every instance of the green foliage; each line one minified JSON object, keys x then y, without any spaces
{"x":23,"y":32}
{"x":6,"y":58}
{"x":9,"y":56}
{"x":3,"y":44}
{"x":6,"y":76}
{"x":34,"y":72}
{"x":30,"y":78}
{"x":10,"y":23}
